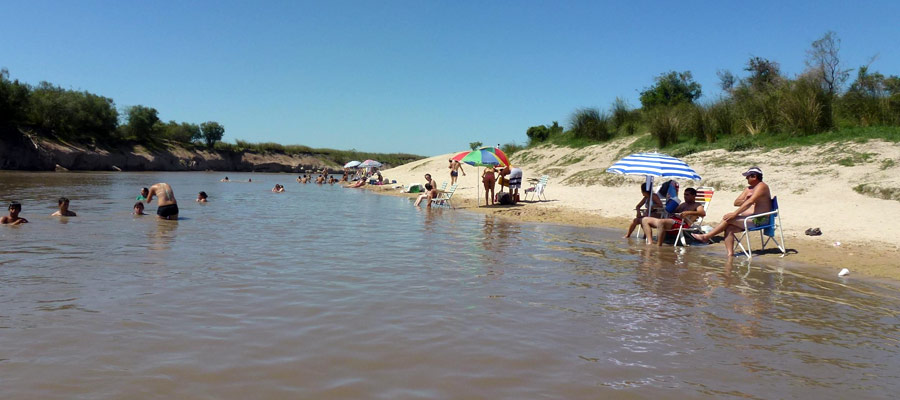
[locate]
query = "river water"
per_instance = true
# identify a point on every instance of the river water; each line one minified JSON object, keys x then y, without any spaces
{"x":323,"y":292}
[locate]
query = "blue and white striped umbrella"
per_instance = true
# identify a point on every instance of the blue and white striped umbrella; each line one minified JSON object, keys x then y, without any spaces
{"x":653,"y":165}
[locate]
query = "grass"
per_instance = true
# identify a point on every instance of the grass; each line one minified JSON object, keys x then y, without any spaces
{"x":878,"y":192}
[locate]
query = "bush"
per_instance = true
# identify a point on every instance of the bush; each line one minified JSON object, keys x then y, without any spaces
{"x":590,"y":123}
{"x":664,"y":126}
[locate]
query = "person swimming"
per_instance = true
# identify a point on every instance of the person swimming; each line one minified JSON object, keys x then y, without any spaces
{"x":138,"y":209}
{"x":63,"y":209}
{"x":201,"y":197}
{"x":13,"y":218}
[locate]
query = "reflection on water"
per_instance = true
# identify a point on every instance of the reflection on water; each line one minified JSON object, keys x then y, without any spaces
{"x":323,"y":292}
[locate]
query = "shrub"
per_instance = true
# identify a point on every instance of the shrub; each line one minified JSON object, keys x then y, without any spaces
{"x":590,"y":123}
{"x":664,"y":126}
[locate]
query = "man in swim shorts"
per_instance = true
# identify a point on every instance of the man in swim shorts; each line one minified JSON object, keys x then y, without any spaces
{"x":755,"y":199}
{"x":13,"y":218}
{"x":455,"y":169}
{"x":166,"y":206}
{"x":684,"y":215}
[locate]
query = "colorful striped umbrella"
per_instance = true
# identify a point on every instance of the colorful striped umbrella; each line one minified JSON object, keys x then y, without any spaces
{"x":483,"y":157}
{"x":370,"y":164}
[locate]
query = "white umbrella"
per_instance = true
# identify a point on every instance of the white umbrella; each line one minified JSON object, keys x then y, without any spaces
{"x":352,"y":164}
{"x":370,"y":164}
{"x":652,"y":165}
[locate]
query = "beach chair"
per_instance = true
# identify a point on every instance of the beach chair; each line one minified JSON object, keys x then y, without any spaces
{"x":767,"y":230}
{"x":538,"y":189}
{"x":704,"y":197}
{"x":443,"y":186}
{"x":443,"y":199}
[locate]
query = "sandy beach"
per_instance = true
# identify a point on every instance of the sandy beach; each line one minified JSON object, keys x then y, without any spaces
{"x":814,"y":185}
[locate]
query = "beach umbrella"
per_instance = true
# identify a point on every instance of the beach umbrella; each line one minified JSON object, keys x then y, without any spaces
{"x":651,"y":165}
{"x":482,"y":157}
{"x":352,"y":164}
{"x":369,"y":164}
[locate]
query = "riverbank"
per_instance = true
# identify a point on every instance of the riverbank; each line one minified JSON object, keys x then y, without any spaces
{"x":22,"y":151}
{"x":815,"y":187}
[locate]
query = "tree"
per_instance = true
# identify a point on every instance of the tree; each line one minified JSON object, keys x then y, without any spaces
{"x":671,"y":88}
{"x":475,"y":145}
{"x":824,"y":60}
{"x":183,"y":132}
{"x":14,"y":98}
{"x":212,"y":132}
{"x":764,"y":74}
{"x":143,"y":123}
{"x":726,"y":80}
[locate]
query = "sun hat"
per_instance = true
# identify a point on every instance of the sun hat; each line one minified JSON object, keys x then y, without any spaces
{"x":753,"y":170}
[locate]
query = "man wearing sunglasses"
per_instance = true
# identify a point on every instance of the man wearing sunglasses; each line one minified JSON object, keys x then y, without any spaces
{"x":755,"y":199}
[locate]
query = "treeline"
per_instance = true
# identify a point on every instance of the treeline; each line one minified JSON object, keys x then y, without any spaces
{"x":339,"y":157}
{"x":765,"y":101}
{"x":84,"y":117}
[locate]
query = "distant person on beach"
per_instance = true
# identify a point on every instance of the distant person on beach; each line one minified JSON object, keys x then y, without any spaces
{"x":278,"y":188}
{"x":428,"y":180}
{"x":63,"y":209}
{"x":202,"y":197}
{"x":13,"y":218}
{"x":513,"y":180}
{"x":683,"y":215}
{"x":358,"y":184}
{"x":430,"y":193}
{"x":380,"y":179}
{"x":755,"y":199}
{"x":143,"y":196}
{"x":655,"y":206}
{"x":138,"y":209}
{"x":225,"y":179}
{"x":455,"y":169}
{"x":166,"y":205}
{"x":488,"y":177}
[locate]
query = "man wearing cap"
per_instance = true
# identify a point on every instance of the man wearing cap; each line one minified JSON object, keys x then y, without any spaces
{"x":755,"y":199}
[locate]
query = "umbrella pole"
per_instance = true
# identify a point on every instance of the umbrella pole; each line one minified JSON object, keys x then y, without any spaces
{"x":649,"y":186}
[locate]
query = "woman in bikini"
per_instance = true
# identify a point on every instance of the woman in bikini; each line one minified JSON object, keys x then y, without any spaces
{"x":488,"y":177}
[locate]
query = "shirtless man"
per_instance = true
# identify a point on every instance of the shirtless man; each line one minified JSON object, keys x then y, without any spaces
{"x":430,"y":193}
{"x":755,"y":199}
{"x":455,"y":169}
{"x":686,"y":213}
{"x":63,"y":209}
{"x":166,"y":206}
{"x":13,"y":218}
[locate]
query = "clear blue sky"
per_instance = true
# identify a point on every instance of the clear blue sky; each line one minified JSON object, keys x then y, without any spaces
{"x":424,"y":77}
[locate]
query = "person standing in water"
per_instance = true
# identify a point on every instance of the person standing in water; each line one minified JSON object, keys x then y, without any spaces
{"x":63,"y":209}
{"x":13,"y":218}
{"x":166,"y":206}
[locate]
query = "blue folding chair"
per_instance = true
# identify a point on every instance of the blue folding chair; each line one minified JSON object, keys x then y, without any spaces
{"x":766,"y":230}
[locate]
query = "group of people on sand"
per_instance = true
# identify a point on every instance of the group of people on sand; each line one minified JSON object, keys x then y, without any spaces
{"x":756,"y":198}
{"x":507,"y":176}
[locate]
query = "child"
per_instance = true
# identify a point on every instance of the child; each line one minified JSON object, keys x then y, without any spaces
{"x":201,"y":197}
{"x":63,"y":209}
{"x":138,"y":209}
{"x":13,"y":218}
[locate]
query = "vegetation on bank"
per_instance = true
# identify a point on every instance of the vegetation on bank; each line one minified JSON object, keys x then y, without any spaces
{"x":85,"y":118}
{"x":763,"y":109}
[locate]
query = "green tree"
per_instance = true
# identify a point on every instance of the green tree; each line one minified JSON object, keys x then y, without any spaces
{"x":212,"y":132}
{"x":671,"y":88}
{"x":143,"y":123}
{"x":14,"y":98}
{"x":182,"y":133}
{"x":764,"y":74}
{"x":475,"y":145}
{"x":72,"y":115}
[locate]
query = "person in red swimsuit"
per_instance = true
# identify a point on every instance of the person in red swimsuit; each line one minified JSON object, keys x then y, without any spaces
{"x":488,"y":177}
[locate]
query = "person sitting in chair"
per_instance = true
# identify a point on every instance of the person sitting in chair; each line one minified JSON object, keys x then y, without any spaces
{"x":755,"y":199}
{"x":684,"y":215}
{"x":655,"y":206}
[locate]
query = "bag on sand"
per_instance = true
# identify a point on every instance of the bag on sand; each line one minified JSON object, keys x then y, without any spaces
{"x":505,"y":198}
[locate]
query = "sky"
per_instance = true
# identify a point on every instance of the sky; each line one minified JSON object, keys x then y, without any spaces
{"x":421,"y":77}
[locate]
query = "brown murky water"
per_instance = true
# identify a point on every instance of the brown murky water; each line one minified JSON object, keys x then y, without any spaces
{"x":323,"y":292}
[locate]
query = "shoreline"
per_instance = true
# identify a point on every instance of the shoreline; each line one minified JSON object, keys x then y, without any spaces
{"x":868,"y":261}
